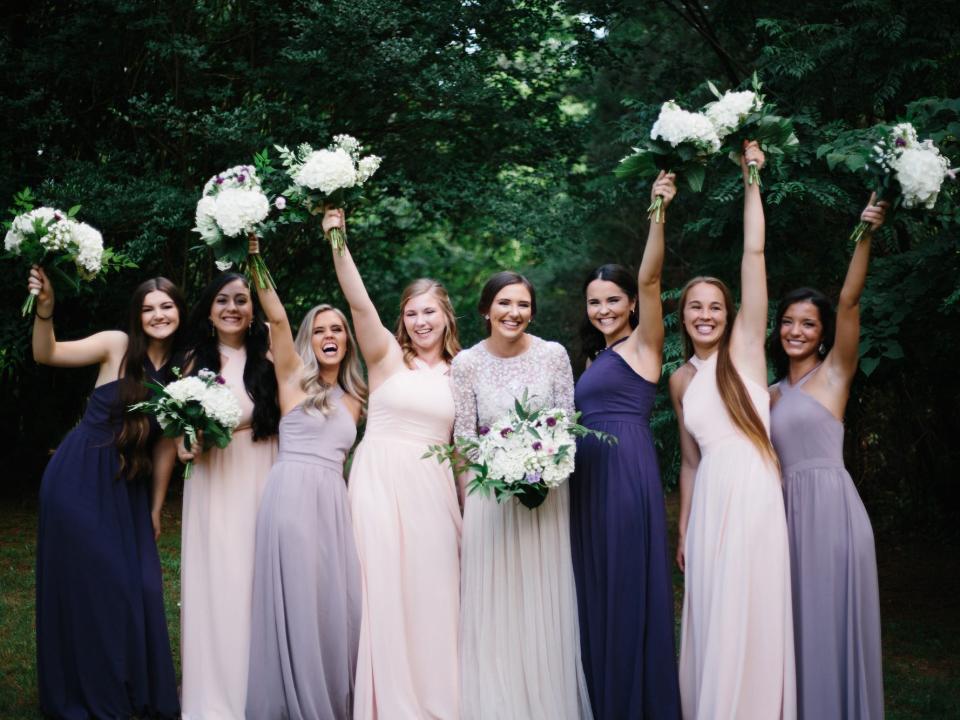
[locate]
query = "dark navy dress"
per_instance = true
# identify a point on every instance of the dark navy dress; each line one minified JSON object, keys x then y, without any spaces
{"x":102,"y":645}
{"x":619,"y":543}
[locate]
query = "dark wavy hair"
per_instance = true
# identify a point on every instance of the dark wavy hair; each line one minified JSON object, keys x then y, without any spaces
{"x":133,"y":439}
{"x":592,"y":341}
{"x":828,"y":318}
{"x":258,"y":375}
{"x":496,"y":283}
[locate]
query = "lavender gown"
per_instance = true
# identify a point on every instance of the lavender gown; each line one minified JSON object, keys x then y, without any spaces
{"x":618,"y":530}
{"x":836,"y":606}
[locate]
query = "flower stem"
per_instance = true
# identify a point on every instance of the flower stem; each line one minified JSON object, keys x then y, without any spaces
{"x":186,"y":469}
{"x":754,"y":175}
{"x":259,"y":272}
{"x":655,"y":211}
{"x":859,"y":231}
{"x":28,"y":305}
{"x":338,"y":240}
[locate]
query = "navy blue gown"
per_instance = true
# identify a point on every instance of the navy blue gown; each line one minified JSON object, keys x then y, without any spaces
{"x":621,"y":561}
{"x":102,"y":645}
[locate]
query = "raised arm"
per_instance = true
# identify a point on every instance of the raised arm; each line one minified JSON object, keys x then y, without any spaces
{"x":843,"y":357}
{"x":104,"y":348}
{"x":649,"y":331}
{"x":750,"y":328}
{"x":374,"y":339}
{"x":689,"y":459}
{"x":286,"y":361}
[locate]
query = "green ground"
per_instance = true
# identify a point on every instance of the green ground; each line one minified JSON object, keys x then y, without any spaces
{"x":919,"y":586}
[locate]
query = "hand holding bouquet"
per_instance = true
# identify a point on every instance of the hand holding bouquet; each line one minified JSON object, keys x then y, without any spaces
{"x":200,"y":406}
{"x":232,"y":208}
{"x":680,"y":142}
{"x":52,"y":238}
{"x":522,"y":455}
{"x":332,"y":176}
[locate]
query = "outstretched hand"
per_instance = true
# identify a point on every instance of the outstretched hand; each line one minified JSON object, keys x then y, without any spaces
{"x":39,"y":284}
{"x":875,"y":213}
{"x":664,"y":186}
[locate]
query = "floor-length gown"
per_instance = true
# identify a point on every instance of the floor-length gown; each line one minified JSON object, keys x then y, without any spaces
{"x":220,"y":502}
{"x":407,"y":525}
{"x":836,"y":604}
{"x":736,"y":650}
{"x":621,"y":561}
{"x":306,"y":581}
{"x":102,"y":645}
{"x":520,"y":643}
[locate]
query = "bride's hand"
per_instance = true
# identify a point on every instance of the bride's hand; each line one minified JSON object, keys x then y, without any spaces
{"x":333,"y":218}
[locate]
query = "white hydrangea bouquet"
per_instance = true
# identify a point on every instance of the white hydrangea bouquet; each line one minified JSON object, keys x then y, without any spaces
{"x":739,"y":116}
{"x":232,"y":208}
{"x":680,"y":142}
{"x":523,"y":455}
{"x":191,"y":405}
{"x":56,"y":240}
{"x":333,"y":176}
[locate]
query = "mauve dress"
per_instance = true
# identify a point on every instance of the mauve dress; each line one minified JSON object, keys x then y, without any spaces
{"x":306,"y":580}
{"x":836,"y":603}
{"x":621,"y":563}
{"x":102,"y":645}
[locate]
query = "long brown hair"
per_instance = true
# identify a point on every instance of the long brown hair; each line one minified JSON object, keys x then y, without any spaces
{"x":729,"y":383}
{"x":349,"y":376}
{"x":451,"y":339}
{"x":132,"y":440}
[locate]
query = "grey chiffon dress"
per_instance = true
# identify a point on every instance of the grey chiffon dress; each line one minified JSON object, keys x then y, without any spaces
{"x":836,"y":605}
{"x":306,"y":585}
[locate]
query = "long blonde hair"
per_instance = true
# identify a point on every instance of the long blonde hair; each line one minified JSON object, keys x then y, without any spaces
{"x":349,"y":376}
{"x":729,"y":383}
{"x":451,"y":339}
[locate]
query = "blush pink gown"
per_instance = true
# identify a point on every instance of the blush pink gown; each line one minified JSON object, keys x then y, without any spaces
{"x":736,"y":648}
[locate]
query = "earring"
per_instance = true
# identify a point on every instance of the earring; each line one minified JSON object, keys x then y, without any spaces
{"x":486,"y":317}
{"x":822,"y":349}
{"x":213,"y":330}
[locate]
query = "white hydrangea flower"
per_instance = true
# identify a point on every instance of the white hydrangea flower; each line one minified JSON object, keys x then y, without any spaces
{"x":348,"y":144}
{"x":59,"y":235}
{"x":728,"y":112}
{"x":223,"y":265}
{"x":24,"y":223}
{"x":89,"y":243}
{"x":12,"y":242}
{"x":239,"y":176}
{"x":240,"y":211}
{"x":904,"y":136}
{"x":675,"y":126}
{"x":206,"y":223}
{"x":920,"y":172}
{"x":186,"y":389}
{"x":367,"y":167}
{"x":327,"y":171}
{"x":221,"y":405}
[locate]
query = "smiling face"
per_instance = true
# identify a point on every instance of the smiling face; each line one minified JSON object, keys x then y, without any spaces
{"x":329,"y":339}
{"x":705,"y":315}
{"x":510,"y":312}
{"x":801,"y":330}
{"x":609,"y":308}
{"x":159,"y":315}
{"x":231,"y":312}
{"x":424,"y":321}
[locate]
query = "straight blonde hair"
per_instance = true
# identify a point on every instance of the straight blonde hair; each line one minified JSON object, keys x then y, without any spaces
{"x":349,"y":376}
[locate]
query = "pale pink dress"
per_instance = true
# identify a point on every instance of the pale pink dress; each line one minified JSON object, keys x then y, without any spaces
{"x":220,"y":503}
{"x":736,"y":648}
{"x":406,"y":520}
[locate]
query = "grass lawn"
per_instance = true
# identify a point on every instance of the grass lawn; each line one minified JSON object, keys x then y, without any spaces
{"x":919,"y":593}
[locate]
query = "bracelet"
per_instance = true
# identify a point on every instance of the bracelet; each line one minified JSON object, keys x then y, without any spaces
{"x":44,"y":317}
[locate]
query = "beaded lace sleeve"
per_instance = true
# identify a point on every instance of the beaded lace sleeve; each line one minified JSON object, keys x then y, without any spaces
{"x":463,"y":376}
{"x":562,"y":374}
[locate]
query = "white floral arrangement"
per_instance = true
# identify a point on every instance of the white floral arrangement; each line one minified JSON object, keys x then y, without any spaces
{"x":524,"y":454}
{"x":232,"y":208}
{"x":328,"y":176}
{"x":47,"y":236}
{"x":676,"y":125}
{"x":906,"y":169}
{"x":200,"y":408}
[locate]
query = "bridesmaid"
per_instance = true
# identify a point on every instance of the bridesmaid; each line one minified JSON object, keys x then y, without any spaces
{"x":405,"y":512}
{"x":520,"y":644}
{"x":220,"y":503}
{"x":306,"y":581}
{"x":102,"y":644}
{"x":836,"y":605}
{"x":618,"y":523}
{"x":736,"y":648}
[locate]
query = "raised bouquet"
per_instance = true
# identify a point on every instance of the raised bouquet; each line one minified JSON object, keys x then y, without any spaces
{"x":902,"y":169}
{"x":193,"y":405}
{"x":680,"y":142}
{"x":232,"y":208}
{"x":333,"y":176}
{"x":745,"y":115}
{"x":522,"y":455}
{"x":56,"y":240}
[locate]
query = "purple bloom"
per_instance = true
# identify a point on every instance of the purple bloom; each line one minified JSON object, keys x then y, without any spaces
{"x":901,"y":142}
{"x":218,"y":180}
{"x":506,"y":431}
{"x":537,"y":445}
{"x":533,"y":477}
{"x":483,"y":430}
{"x":241,"y":178}
{"x":220,"y":380}
{"x":551,"y":421}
